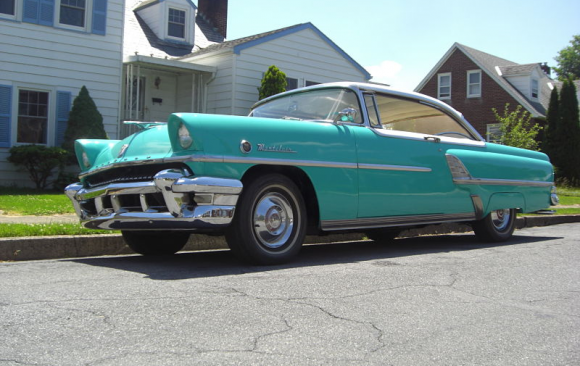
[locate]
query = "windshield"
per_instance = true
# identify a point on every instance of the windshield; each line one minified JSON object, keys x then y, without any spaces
{"x":315,"y":105}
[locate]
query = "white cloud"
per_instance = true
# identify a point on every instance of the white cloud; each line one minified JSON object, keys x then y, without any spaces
{"x":385,"y":71}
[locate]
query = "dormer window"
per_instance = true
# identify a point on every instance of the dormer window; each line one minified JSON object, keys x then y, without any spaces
{"x":72,"y":12}
{"x":176,"y":23}
{"x":170,"y":20}
{"x":535,"y":89}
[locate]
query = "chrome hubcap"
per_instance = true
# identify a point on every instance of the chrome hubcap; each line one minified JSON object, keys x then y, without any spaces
{"x":501,"y":219}
{"x":273,"y":220}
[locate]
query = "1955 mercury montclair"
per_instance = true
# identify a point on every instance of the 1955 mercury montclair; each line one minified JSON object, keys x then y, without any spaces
{"x":332,"y":157}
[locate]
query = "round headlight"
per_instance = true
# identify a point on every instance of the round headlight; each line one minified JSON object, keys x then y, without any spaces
{"x":185,"y":139}
{"x":86,"y":161}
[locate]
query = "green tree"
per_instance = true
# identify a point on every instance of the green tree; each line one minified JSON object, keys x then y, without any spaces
{"x":84,"y":122}
{"x":516,"y":128}
{"x":273,"y":82}
{"x":568,"y":136}
{"x":568,"y":60}
{"x":550,"y":145}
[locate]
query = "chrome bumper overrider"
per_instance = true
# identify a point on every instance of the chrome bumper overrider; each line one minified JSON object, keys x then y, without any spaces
{"x":170,"y":201}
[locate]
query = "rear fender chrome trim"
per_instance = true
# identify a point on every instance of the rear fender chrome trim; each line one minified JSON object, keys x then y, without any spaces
{"x":461,"y":175}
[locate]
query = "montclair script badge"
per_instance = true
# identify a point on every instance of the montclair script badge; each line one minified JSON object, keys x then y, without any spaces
{"x":275,"y":148}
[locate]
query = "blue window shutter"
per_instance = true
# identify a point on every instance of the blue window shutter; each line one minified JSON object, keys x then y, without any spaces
{"x":39,"y":12}
{"x":5,"y":114}
{"x":99,"y":17}
{"x":31,"y":12}
{"x":62,"y":110}
{"x":46,"y":12}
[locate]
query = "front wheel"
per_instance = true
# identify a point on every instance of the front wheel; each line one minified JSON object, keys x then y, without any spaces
{"x":270,"y":221}
{"x":152,"y":243}
{"x":497,"y":226}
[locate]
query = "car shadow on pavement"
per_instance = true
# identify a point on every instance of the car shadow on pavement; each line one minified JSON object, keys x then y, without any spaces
{"x":188,"y":265}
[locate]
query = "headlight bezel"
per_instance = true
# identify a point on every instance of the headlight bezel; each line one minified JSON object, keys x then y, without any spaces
{"x":184,"y":137}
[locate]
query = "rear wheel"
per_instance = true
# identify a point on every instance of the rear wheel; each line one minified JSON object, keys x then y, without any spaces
{"x":270,"y":221}
{"x":497,"y":226}
{"x":152,"y":243}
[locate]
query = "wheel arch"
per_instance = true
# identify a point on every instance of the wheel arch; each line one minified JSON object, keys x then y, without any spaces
{"x":298,"y":177}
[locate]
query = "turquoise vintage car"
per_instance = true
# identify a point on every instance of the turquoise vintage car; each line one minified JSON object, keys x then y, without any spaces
{"x":327,"y":158}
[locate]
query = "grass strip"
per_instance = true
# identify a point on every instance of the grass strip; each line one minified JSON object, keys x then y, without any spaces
{"x":23,"y":201}
{"x":20,"y":230}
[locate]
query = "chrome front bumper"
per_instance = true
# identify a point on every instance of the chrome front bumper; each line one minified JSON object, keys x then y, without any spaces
{"x":171,"y":201}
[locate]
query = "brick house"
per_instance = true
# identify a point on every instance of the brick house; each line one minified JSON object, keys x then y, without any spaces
{"x":474,"y":82}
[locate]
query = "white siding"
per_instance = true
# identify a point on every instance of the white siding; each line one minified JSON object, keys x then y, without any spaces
{"x":219,"y":91}
{"x":52,"y":59}
{"x":302,"y":55}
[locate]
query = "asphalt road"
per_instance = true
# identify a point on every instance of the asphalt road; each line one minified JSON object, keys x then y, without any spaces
{"x":442,"y":300}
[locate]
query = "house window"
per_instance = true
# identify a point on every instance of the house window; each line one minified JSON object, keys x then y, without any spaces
{"x":493,"y":133}
{"x":310,"y":83}
{"x":8,"y":7}
{"x":72,"y":12}
{"x":535,"y":89}
{"x":32,"y":117}
{"x":291,"y":84}
{"x":176,"y":23}
{"x":444,"y":86}
{"x":474,"y":84}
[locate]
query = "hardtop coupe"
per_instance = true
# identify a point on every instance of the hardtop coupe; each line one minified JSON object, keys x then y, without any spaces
{"x":327,"y":158}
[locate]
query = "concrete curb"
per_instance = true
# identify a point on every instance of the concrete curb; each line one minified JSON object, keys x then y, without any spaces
{"x":55,"y":247}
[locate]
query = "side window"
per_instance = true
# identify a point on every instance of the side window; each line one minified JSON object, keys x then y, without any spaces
{"x":372,"y":110}
{"x":32,"y":117}
{"x":313,"y":105}
{"x":72,"y":12}
{"x":444,"y":86}
{"x":291,"y":84}
{"x":8,"y":7}
{"x":411,"y":116}
{"x":474,"y":84}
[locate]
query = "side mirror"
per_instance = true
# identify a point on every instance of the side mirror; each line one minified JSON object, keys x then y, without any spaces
{"x":346,"y":115}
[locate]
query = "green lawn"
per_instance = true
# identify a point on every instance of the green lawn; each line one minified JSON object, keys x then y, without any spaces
{"x":19,"y":230}
{"x":24,"y":201}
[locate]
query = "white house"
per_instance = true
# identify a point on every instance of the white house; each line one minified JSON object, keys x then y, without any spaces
{"x":49,"y":50}
{"x":302,"y":52}
{"x":141,"y":60}
{"x":193,"y":68}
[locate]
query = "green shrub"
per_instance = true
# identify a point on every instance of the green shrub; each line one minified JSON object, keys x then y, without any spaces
{"x":40,"y":161}
{"x":273,"y":82}
{"x":84,"y":122}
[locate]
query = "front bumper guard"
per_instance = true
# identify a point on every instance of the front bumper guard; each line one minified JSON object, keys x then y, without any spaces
{"x":171,"y":201}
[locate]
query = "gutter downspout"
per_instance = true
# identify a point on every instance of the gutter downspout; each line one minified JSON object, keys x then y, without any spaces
{"x":205,"y":91}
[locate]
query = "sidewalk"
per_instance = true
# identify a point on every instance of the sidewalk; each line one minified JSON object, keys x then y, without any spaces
{"x":54,"y":247}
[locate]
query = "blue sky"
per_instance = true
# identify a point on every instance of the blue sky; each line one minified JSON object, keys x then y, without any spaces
{"x":399,"y":41}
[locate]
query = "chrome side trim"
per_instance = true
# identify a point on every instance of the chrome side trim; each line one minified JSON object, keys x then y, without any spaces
{"x":402,"y":168}
{"x":265,"y":161}
{"x":392,"y":221}
{"x":502,"y":182}
{"x":289,"y":162}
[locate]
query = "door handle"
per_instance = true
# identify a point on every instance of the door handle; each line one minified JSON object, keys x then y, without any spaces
{"x":432,"y":138}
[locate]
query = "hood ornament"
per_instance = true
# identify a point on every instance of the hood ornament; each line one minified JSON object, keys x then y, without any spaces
{"x":123,"y":150}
